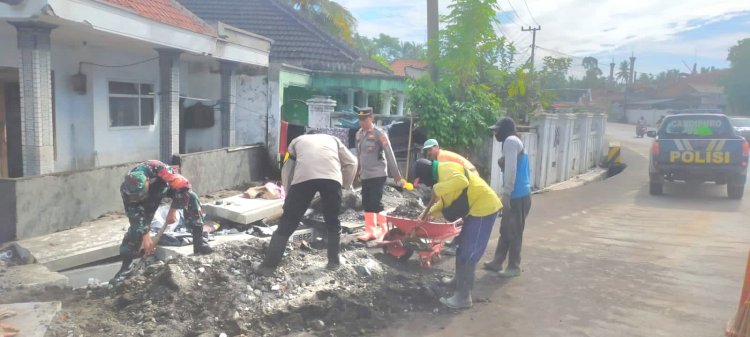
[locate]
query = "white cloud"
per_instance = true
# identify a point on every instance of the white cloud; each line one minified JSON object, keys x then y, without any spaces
{"x":578,"y":27}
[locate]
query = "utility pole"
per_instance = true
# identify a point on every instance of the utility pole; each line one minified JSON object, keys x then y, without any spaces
{"x":612,"y":71}
{"x":533,"y":41}
{"x":632,"y":72}
{"x":433,"y":37}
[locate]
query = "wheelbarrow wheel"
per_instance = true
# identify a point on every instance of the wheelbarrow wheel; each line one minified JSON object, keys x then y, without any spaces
{"x":396,"y":250}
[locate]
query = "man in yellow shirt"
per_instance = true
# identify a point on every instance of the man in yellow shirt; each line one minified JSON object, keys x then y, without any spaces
{"x":460,"y":193}
{"x":434,"y":152}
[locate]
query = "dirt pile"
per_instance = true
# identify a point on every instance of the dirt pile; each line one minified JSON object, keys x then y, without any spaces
{"x":221,"y":293}
{"x":411,"y":209}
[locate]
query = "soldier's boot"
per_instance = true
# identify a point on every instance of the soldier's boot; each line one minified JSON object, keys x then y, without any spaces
{"x":200,"y":247}
{"x":123,"y":272}
{"x":334,"y":246}
{"x":274,"y":253}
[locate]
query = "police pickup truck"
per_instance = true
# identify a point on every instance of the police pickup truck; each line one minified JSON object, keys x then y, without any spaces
{"x":699,"y":148}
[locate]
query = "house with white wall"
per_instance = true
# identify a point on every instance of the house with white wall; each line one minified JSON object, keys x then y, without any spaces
{"x":307,"y":61}
{"x":90,"y":87}
{"x":92,"y":83}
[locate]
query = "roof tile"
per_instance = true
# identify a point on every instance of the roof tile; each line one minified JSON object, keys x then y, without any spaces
{"x":297,"y":40}
{"x":165,"y":11}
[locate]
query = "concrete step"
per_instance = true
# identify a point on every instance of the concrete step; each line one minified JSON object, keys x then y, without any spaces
{"x":243,"y":210}
{"x":82,"y":245}
{"x":30,"y":276}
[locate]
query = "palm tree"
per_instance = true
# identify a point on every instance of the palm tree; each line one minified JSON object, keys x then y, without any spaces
{"x":332,"y":16}
{"x":624,"y":72}
{"x":413,"y":50}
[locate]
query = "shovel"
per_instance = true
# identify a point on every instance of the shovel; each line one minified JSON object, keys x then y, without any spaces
{"x":144,"y":261}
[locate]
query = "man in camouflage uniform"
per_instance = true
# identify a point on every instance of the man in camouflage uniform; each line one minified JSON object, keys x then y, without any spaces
{"x":142,"y":191}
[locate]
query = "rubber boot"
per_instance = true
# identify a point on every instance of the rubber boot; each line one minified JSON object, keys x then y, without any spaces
{"x":334,"y":246}
{"x":123,"y":272}
{"x":200,"y":247}
{"x":451,"y":280}
{"x":369,"y":228}
{"x":382,"y":225}
{"x":274,"y":253}
{"x":461,"y":298}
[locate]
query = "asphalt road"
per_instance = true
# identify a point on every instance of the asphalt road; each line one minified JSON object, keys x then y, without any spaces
{"x":608,"y":259}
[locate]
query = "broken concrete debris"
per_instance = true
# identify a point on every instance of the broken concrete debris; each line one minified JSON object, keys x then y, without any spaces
{"x":222,"y":294}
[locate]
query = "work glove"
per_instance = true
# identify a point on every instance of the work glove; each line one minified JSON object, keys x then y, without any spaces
{"x":399,"y":181}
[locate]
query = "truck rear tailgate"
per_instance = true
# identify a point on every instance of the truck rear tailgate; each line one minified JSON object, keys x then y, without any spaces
{"x":701,"y":152}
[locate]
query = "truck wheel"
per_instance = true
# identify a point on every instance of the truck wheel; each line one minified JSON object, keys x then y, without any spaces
{"x":735,"y":191}
{"x":656,"y":188}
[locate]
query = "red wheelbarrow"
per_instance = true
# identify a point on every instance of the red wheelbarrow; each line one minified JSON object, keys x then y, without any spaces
{"x":406,"y":236}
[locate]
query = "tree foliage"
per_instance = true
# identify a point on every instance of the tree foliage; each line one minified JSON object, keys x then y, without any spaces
{"x":591,"y":79}
{"x":458,"y":124}
{"x":390,"y":48}
{"x":332,"y":16}
{"x":476,"y":78}
{"x":554,"y":72}
{"x":469,"y":41}
{"x":737,"y":82}
{"x":623,"y":72}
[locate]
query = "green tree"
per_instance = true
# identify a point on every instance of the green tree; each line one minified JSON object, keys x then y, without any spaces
{"x":476,"y":78}
{"x":413,"y":50}
{"x":737,"y":81}
{"x":710,"y":69}
{"x":646,"y":78}
{"x":469,"y":42}
{"x":554,"y":72}
{"x":623,"y":72}
{"x":591,"y":79}
{"x":332,"y":16}
{"x":390,"y":48}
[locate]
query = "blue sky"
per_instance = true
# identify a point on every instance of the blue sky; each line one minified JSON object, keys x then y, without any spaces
{"x":661,"y":34}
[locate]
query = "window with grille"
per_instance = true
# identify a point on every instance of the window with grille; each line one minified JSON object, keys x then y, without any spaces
{"x":131,"y":104}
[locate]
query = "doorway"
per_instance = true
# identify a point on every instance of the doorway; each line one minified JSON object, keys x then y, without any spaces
{"x":11,"y":164}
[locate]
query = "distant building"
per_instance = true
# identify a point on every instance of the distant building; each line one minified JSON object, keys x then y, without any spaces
{"x":698,"y":91}
{"x":411,"y":68}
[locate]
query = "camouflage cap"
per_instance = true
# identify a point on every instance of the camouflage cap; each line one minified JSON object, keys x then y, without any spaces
{"x":134,"y":186}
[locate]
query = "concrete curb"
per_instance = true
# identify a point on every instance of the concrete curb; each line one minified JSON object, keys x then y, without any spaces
{"x":597,"y":174}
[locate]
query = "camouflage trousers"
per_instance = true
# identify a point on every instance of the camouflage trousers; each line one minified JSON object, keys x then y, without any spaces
{"x":141,"y":215}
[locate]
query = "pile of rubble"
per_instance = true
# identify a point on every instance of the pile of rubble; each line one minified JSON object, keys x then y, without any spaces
{"x":222,"y":295}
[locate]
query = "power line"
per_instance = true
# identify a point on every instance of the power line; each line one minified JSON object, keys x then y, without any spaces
{"x":532,"y":15}
{"x":514,"y":11}
{"x":559,"y":53}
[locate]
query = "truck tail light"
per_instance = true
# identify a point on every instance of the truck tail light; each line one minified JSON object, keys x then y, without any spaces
{"x":655,"y":149}
{"x":746,"y":149}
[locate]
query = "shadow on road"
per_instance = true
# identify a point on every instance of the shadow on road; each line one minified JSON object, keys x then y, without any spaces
{"x":700,"y":197}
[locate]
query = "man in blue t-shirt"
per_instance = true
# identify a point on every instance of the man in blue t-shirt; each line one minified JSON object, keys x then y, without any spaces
{"x":516,"y":199}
